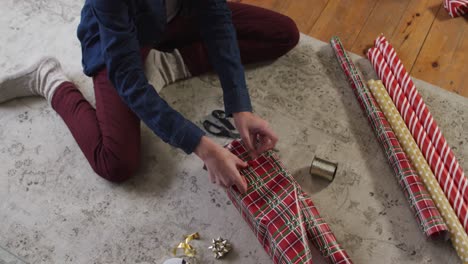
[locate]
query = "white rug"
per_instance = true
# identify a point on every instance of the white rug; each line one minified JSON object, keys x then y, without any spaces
{"x":54,"y":209}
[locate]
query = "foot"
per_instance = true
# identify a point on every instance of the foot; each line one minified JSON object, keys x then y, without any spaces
{"x":41,"y":79}
{"x":164,"y":68}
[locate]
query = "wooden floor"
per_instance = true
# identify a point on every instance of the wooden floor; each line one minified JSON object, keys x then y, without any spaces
{"x":433,"y":46}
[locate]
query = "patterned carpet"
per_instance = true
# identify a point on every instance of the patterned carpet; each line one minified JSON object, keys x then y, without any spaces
{"x":54,"y":209}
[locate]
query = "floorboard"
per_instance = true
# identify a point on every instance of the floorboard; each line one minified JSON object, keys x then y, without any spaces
{"x":430,"y":43}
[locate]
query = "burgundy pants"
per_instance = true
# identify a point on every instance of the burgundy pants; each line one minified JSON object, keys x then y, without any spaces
{"x":109,"y":135}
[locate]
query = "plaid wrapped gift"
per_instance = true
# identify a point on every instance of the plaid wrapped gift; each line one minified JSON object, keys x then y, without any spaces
{"x":456,"y":8}
{"x":420,"y":201}
{"x":282,"y":216}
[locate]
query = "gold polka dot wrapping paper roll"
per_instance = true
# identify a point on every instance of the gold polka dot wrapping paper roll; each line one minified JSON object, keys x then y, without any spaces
{"x":458,"y":236}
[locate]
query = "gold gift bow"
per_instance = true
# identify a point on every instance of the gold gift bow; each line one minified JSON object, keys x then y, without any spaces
{"x":189,"y":251}
{"x":457,"y":233}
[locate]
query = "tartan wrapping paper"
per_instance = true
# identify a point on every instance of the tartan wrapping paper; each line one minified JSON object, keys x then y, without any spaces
{"x":446,"y":182}
{"x":456,"y":8}
{"x":423,"y":207}
{"x":282,"y":216}
{"x":425,"y":118}
{"x":457,"y":233}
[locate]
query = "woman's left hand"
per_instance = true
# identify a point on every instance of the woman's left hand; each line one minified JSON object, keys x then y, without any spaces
{"x":255,"y":132}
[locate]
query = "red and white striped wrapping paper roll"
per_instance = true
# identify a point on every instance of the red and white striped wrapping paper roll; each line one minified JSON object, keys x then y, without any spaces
{"x":422,"y":112}
{"x":456,"y":8}
{"x":427,"y":215}
{"x":443,"y":177}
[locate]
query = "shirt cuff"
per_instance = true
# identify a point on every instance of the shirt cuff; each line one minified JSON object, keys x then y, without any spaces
{"x":235,"y":104}
{"x":189,"y":137}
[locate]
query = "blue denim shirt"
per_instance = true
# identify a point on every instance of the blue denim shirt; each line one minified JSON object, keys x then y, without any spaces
{"x":111,"y":33}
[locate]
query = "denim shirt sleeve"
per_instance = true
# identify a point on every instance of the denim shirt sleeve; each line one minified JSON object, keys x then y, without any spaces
{"x":120,"y":47}
{"x":220,"y":38}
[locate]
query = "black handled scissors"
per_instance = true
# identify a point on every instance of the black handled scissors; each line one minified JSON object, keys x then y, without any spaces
{"x":219,"y":125}
{"x":221,"y":116}
{"x":216,"y":130}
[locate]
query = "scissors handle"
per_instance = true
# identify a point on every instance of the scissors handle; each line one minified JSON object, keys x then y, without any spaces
{"x":220,"y":131}
{"x":216,"y":130}
{"x":221,"y":116}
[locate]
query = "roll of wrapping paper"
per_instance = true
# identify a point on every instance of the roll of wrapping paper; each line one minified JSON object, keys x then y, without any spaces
{"x":420,"y":201}
{"x":443,"y":177}
{"x":424,"y":116}
{"x":458,"y":236}
{"x":282,"y":216}
{"x":456,"y":8}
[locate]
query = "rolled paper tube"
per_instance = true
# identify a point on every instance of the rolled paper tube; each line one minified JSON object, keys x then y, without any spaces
{"x":457,"y":233}
{"x":456,"y":8}
{"x":412,"y":186}
{"x":443,"y":177}
{"x":323,"y":169}
{"x":282,"y":216}
{"x":436,"y":138}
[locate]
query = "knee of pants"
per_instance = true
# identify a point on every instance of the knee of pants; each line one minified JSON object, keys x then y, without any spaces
{"x":292,"y":33}
{"x":118,"y":169}
{"x":289,"y":34}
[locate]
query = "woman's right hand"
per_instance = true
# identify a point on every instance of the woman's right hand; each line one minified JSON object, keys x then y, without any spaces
{"x":223,"y":166}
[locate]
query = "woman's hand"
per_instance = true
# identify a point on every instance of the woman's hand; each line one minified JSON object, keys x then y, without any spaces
{"x":255,"y":132}
{"x":223,"y":166}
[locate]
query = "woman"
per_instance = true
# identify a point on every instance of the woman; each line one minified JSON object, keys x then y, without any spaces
{"x":171,"y":40}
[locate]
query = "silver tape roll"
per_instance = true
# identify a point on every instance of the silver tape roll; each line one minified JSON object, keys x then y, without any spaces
{"x":323,"y":169}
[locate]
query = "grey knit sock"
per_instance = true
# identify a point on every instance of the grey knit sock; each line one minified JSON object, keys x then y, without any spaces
{"x":41,"y":79}
{"x":164,"y":68}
